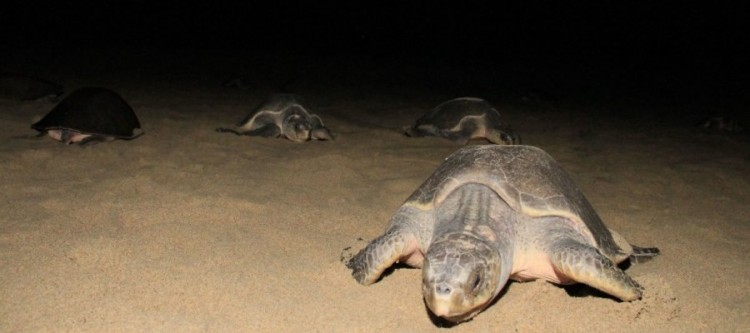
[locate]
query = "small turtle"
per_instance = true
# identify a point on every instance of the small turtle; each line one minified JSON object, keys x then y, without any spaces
{"x":462,"y":119}
{"x":28,"y":88}
{"x":721,"y":124}
{"x":493,"y":213}
{"x":88,"y":115}
{"x":282,"y":115}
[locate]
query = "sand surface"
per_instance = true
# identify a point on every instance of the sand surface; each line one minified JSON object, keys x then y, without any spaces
{"x":189,"y":230}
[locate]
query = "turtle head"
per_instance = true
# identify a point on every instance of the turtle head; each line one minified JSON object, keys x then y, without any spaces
{"x":462,"y":274}
{"x":297,"y":128}
{"x":504,"y":136}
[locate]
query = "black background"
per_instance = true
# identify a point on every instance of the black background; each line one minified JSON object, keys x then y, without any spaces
{"x":686,"y":51}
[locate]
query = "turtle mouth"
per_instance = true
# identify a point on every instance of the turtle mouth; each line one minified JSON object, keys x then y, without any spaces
{"x":460,"y":318}
{"x":449,"y":312}
{"x":453,"y":305}
{"x":300,"y":137}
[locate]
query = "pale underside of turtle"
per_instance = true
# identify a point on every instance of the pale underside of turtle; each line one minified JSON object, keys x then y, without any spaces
{"x":282,"y":115}
{"x":492,"y":213}
{"x":90,"y":114}
{"x":26,"y":88}
{"x":462,"y":119}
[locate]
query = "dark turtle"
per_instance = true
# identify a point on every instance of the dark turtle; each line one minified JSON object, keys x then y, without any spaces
{"x":282,"y":115}
{"x":25,"y":88}
{"x":462,"y":119}
{"x":493,"y":213}
{"x":90,"y":114}
{"x":721,"y":124}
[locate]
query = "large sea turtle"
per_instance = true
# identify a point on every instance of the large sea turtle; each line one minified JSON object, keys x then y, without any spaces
{"x":492,"y":213}
{"x":90,"y":114}
{"x":282,"y":115}
{"x":25,"y":88}
{"x":462,"y":119}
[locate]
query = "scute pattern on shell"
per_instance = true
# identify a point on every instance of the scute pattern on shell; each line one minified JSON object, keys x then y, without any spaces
{"x":527,"y":178}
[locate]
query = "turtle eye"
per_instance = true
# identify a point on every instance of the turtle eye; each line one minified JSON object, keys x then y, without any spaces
{"x":507,"y":138}
{"x":477,"y":282}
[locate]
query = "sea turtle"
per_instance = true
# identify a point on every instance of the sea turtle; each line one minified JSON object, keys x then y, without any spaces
{"x":26,"y":88}
{"x":721,"y":124}
{"x":462,"y":119}
{"x":90,"y":114}
{"x":492,"y":213}
{"x":282,"y":115}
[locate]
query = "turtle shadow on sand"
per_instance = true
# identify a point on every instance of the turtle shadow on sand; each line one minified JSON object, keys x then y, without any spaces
{"x":28,"y":88}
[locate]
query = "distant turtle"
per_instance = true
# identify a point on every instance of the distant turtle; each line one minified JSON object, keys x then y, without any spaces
{"x":462,"y":119}
{"x":90,"y":114}
{"x":721,"y":124}
{"x":492,"y":213}
{"x":26,"y":88}
{"x":282,"y":115}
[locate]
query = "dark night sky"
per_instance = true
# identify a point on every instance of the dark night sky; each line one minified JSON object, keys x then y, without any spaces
{"x":582,"y":28}
{"x":696,"y":43}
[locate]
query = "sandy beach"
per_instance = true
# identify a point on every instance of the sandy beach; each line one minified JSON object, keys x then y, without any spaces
{"x":189,"y":230}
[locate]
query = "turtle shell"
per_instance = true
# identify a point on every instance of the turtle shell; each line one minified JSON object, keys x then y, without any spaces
{"x":449,"y":114}
{"x":525,"y":177}
{"x":93,"y":110}
{"x":22,"y":87}
{"x":276,"y":103}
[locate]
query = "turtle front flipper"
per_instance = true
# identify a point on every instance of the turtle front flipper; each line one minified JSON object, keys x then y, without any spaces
{"x":228,"y":130}
{"x":418,"y":131}
{"x":381,"y":253}
{"x":269,"y":130}
{"x":585,"y":264}
{"x":91,"y":140}
{"x":266,"y":131}
{"x":321,"y":133}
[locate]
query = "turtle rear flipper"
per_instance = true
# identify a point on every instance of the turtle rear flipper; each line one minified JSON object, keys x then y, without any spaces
{"x":643,"y":254}
{"x":417,"y":132}
{"x":321,"y":134}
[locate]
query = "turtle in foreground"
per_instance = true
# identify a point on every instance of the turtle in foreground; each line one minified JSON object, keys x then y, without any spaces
{"x":462,"y":119}
{"x":28,"y":88}
{"x":282,"y":115}
{"x":90,"y":114}
{"x":493,"y":213}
